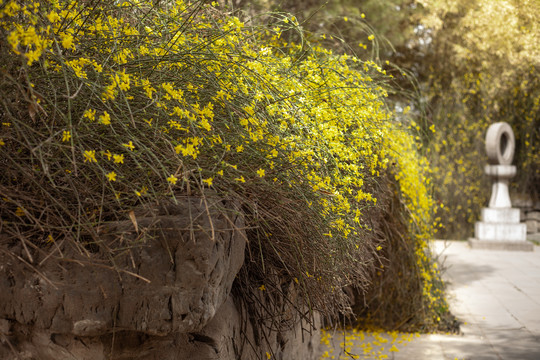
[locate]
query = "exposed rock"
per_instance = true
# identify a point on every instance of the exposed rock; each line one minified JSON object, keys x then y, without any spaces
{"x":533,"y":215}
{"x":233,"y":336}
{"x":174,"y":266}
{"x":167,"y":296}
{"x":228,"y":336}
{"x":532,"y":226}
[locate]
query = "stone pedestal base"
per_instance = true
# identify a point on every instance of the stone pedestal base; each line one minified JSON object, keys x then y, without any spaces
{"x":501,"y":245}
{"x":500,"y":229}
{"x":504,"y":215}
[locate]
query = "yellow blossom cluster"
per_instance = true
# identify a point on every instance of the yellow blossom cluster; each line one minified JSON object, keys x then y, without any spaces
{"x":135,"y":102}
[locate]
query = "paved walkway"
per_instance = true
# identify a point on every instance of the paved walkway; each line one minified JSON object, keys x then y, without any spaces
{"x":496,"y":294}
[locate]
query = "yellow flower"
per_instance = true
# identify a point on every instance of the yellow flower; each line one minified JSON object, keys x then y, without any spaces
{"x":208,"y":181}
{"x":143,"y":191}
{"x":260,"y":172}
{"x":67,"y":41}
{"x":107,"y":154}
{"x":11,"y":8}
{"x":119,"y":159}
{"x":172,"y":92}
{"x":66,"y":135}
{"x":172,"y":179}
{"x":53,"y":17}
{"x":2,"y":143}
{"x":240,"y":179}
{"x":371,"y":37}
{"x":109,"y":93}
{"x":105,"y":119}
{"x":97,"y":67}
{"x":262,"y":287}
{"x":268,"y":356}
{"x":90,"y":156}
{"x":13,"y":40}
{"x":379,"y":248}
{"x":122,"y":79}
{"x":129,"y":145}
{"x":143,"y":50}
{"x":394,"y":349}
{"x":32,"y":56}
{"x":148,"y":88}
{"x":19,"y":211}
{"x":90,"y":114}
{"x":111,"y":176}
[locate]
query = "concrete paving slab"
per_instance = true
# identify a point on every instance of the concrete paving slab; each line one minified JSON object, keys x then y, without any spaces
{"x":496,"y":294}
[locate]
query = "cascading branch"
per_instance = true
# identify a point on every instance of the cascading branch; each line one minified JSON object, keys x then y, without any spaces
{"x":108,"y":106}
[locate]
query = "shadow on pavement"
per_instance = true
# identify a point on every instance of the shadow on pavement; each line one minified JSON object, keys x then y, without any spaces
{"x":463,"y":271}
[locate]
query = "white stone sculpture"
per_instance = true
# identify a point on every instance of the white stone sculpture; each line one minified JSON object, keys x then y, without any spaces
{"x":500,"y":228}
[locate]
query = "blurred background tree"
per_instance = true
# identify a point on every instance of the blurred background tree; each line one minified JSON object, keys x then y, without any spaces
{"x":482,"y":67}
